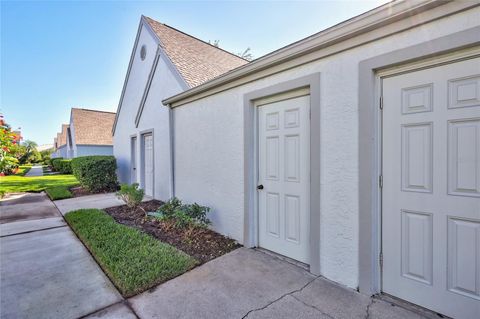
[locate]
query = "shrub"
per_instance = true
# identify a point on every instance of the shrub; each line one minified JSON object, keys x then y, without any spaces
{"x":96,"y":173}
{"x":58,"y":192}
{"x":65,"y":166}
{"x":55,"y":162}
{"x":184,"y":215}
{"x":131,"y":194}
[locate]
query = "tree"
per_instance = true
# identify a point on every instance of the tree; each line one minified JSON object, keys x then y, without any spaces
{"x":246,"y":54}
{"x":8,"y":148}
{"x":29,"y":152}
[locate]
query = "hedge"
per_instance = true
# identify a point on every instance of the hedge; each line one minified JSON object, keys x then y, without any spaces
{"x":65,"y":166}
{"x":56,"y":163}
{"x":96,"y":173}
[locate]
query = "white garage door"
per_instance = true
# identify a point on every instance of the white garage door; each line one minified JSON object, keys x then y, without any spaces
{"x":284,"y":162}
{"x":431,"y":188}
{"x":148,"y":164}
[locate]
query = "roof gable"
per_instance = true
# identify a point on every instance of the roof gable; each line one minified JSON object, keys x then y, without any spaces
{"x":62,"y":136}
{"x":195,"y":60}
{"x":92,"y":127}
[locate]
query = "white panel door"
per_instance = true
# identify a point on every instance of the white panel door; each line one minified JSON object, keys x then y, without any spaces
{"x":148,"y":169}
{"x":431,"y":188}
{"x":133,"y":160}
{"x":284,"y":173}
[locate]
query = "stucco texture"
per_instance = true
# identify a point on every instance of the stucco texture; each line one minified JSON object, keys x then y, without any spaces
{"x":209,"y":146}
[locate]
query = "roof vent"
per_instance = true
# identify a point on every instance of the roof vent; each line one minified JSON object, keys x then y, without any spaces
{"x":143,"y":52}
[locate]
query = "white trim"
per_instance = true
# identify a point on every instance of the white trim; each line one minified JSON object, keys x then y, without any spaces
{"x":282,"y":96}
{"x":127,"y":76}
{"x":467,"y":53}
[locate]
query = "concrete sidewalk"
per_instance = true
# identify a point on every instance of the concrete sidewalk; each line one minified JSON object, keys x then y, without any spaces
{"x":99,"y":201}
{"x":248,"y":283}
{"x":45,"y":271}
{"x":35,"y":171}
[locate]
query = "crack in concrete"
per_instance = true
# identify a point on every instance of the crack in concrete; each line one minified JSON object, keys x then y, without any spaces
{"x":280,"y":298}
{"x":313,"y":307}
{"x":367,"y":309}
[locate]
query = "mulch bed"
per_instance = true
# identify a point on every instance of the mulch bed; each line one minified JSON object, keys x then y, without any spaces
{"x":204,"y":245}
{"x":79,"y":191}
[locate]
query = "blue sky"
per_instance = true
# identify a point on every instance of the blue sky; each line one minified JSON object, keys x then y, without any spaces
{"x":61,"y":54}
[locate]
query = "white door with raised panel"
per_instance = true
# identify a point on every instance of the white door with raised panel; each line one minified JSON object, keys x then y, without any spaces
{"x":431,"y":188}
{"x":133,"y":160}
{"x":148,"y":164}
{"x":284,"y":175}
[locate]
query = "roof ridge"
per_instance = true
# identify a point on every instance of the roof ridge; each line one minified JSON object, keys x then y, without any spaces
{"x":91,"y":110}
{"x":198,"y":39}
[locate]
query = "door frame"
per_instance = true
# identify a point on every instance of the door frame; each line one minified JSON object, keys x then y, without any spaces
{"x":134,"y":153}
{"x":443,"y":50}
{"x":312,"y":83}
{"x":142,"y":158}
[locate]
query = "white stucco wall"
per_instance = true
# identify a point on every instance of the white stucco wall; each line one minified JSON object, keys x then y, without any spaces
{"x":154,"y":116}
{"x":209,"y":146}
{"x":87,"y":150}
{"x":62,"y":151}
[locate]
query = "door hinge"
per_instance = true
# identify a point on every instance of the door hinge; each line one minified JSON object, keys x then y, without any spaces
{"x":380,"y":260}
{"x":381,"y":102}
{"x":380,"y":181}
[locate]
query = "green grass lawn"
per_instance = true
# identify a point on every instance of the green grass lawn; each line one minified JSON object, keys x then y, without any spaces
{"x":16,"y":183}
{"x":133,"y":260}
{"x":58,"y":192}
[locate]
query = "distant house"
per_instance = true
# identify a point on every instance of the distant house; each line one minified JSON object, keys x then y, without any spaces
{"x":60,"y":143}
{"x":89,"y":133}
{"x":164,"y":62}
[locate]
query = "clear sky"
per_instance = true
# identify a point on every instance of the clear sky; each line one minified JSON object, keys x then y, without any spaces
{"x":61,"y":54}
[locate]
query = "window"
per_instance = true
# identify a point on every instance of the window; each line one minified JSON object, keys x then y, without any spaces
{"x":143,"y":52}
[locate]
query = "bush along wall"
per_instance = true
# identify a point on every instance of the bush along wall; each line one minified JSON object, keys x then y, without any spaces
{"x":96,"y":173}
{"x":65,"y":166}
{"x":56,"y":163}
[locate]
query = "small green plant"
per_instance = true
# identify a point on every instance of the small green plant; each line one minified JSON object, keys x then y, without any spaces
{"x":131,"y":195}
{"x":2,"y":194}
{"x":180,"y":215}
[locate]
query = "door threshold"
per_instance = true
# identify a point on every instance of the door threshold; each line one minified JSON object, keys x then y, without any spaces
{"x":427,"y":313}
{"x":284,"y":258}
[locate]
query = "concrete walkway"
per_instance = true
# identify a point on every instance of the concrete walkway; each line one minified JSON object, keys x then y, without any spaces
{"x":99,"y":201}
{"x":35,"y":171}
{"x":248,"y":283}
{"x":45,"y":271}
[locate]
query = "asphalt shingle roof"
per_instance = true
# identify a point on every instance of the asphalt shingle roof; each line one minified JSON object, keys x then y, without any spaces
{"x":62,"y":136}
{"x":92,"y":127}
{"x":196,"y":60}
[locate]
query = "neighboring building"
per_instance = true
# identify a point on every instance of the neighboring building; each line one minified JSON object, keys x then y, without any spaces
{"x":354,"y":151}
{"x":60,"y":143}
{"x":164,"y":62}
{"x":90,"y":133}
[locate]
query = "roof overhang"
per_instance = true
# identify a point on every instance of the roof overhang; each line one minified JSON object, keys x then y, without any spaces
{"x":359,"y":30}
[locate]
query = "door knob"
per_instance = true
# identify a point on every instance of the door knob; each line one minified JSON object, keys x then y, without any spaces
{"x":260,"y":187}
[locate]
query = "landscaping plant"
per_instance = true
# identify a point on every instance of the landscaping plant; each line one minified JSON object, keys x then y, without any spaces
{"x":186,"y":216}
{"x":96,"y":173}
{"x":55,"y":162}
{"x":65,"y":166}
{"x":131,"y":195}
